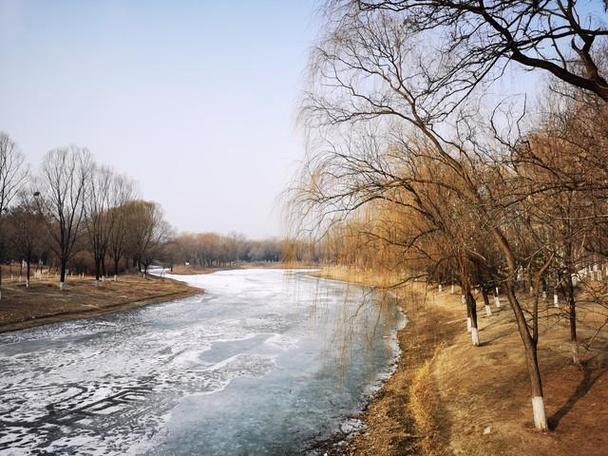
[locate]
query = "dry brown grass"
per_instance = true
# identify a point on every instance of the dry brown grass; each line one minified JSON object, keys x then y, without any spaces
{"x":448,"y":397}
{"x":43,"y":302}
{"x":425,"y":407}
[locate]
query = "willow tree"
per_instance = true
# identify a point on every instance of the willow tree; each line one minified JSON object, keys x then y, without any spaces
{"x":122,"y":191}
{"x":371,"y":69}
{"x":147,"y":231}
{"x":477,"y":40}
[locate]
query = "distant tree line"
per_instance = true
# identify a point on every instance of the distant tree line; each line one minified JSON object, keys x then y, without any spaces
{"x":216,"y":250}
{"x":76,"y":216}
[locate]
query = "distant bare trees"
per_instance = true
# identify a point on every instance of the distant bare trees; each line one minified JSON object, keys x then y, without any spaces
{"x":214,"y":250}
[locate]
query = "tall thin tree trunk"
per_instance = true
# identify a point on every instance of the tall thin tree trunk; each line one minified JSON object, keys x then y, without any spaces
{"x":570,"y":296}
{"x":62,"y":268}
{"x":530,"y":347}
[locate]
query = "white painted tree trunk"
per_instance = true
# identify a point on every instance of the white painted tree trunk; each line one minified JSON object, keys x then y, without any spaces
{"x":538,"y":409}
{"x":574,"y":348}
{"x":497,"y":302}
{"x":61,"y":285}
{"x":488,"y":311}
{"x":475,"y":337}
{"x":462,"y":299}
{"x":544,"y":295}
{"x":469,"y":324}
{"x":27,"y":284}
{"x":555,"y":300}
{"x":452,"y":289}
{"x":440,"y":288}
{"x":115,"y":277}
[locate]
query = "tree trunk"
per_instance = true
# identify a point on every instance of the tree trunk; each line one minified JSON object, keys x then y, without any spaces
{"x":486,"y":301}
{"x":538,"y":403}
{"x":472,"y":309}
{"x":97,"y":270}
{"x":62,"y":268}
{"x":572,"y":317}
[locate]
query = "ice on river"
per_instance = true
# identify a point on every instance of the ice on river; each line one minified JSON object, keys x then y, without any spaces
{"x":264,"y":362}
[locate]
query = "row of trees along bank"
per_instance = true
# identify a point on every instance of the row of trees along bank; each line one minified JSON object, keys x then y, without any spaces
{"x":74,"y":214}
{"x":418,"y":165}
{"x":79,"y":217}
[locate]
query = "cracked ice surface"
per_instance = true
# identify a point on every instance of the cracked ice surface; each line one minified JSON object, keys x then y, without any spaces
{"x":265,"y":362}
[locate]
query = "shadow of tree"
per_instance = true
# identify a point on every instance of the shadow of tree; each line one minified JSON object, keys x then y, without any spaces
{"x":590,"y":376}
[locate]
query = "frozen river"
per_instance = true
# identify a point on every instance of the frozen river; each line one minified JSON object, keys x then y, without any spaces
{"x":265,"y":362}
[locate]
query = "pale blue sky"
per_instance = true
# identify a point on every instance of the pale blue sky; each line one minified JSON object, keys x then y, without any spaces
{"x":196,"y":100}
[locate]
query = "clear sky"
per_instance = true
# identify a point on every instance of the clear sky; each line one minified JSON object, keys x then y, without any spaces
{"x":196,"y":100}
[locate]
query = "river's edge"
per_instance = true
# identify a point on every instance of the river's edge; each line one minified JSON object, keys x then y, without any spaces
{"x":162,"y":291}
{"x":403,"y":417}
{"x":450,"y":397}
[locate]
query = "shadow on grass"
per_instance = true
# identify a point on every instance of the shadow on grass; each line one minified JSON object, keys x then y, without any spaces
{"x":590,"y":376}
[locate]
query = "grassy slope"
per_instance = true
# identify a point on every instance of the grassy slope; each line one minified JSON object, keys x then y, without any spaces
{"x":448,"y":397}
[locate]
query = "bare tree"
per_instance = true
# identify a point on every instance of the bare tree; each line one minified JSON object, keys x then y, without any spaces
{"x":27,"y":229}
{"x":13,"y":174}
{"x":475,"y":40}
{"x":65,"y":174}
{"x":122,"y":191}
{"x":369,"y":69}
{"x":98,"y":218}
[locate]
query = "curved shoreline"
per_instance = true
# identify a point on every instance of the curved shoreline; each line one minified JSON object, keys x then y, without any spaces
{"x":112,"y":301}
{"x":95,"y":312}
{"x":389,"y":425}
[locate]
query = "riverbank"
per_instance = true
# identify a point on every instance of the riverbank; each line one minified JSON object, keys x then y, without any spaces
{"x":448,"y":397}
{"x":192,"y":269}
{"x":43,"y":302}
